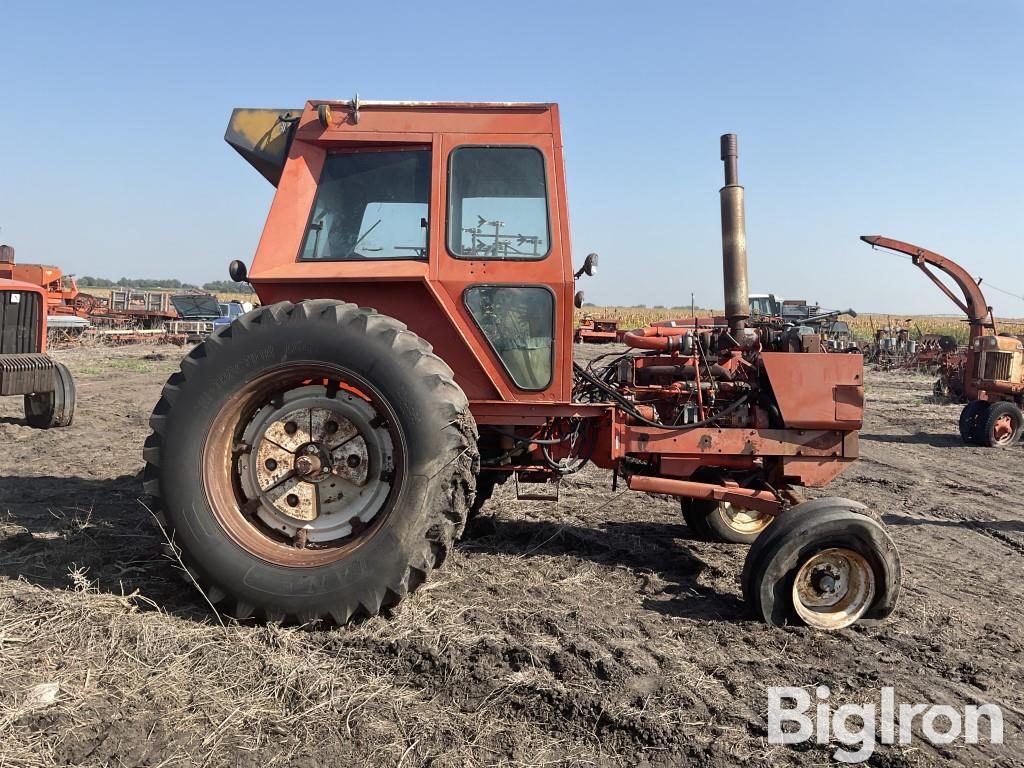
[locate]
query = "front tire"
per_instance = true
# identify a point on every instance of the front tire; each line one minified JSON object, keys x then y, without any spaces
{"x":311,"y":461}
{"x":46,"y":410}
{"x":827,"y":563}
{"x":999,"y":426}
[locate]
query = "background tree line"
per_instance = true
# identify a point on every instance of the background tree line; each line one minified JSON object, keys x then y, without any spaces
{"x":215,"y":286}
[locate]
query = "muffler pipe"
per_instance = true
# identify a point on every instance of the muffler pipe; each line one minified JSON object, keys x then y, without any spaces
{"x":734,"y":239}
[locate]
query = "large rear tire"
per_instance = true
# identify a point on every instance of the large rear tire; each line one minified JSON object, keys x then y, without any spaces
{"x":311,"y":461}
{"x":46,"y":410}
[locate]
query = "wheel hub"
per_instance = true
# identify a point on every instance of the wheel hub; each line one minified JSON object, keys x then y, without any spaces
{"x":1003,"y":428}
{"x":318,"y":467}
{"x":833,"y":588}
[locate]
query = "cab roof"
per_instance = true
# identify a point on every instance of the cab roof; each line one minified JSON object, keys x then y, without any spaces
{"x":264,"y":136}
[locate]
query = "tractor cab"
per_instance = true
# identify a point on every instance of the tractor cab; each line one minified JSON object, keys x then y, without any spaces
{"x":459,"y":208}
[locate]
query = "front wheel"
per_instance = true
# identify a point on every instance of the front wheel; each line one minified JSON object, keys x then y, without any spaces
{"x":312,"y":461}
{"x":999,"y":426}
{"x":827,"y":563}
{"x":46,"y":410}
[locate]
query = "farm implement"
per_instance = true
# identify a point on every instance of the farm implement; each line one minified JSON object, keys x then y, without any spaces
{"x":992,"y":374}
{"x":316,"y":459}
{"x":597,"y":330}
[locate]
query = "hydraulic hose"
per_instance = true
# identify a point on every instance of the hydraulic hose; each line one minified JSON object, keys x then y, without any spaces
{"x":628,"y":406}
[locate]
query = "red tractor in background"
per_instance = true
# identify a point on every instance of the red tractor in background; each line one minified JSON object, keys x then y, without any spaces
{"x":992,"y":377}
{"x":25,"y":368}
{"x":317,"y":459}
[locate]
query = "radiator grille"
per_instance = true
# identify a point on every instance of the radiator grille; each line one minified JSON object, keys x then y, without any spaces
{"x":19,"y":322}
{"x":997,"y":366}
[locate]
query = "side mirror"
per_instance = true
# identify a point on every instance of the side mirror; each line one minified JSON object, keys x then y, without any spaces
{"x":237,"y":271}
{"x":578,"y":299}
{"x":589,"y":266}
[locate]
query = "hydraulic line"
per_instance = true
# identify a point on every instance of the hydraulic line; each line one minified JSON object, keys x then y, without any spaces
{"x":627,"y":406}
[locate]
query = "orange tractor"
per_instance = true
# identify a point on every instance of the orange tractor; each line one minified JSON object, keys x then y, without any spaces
{"x":992,"y":375}
{"x":25,"y":369}
{"x":317,"y":459}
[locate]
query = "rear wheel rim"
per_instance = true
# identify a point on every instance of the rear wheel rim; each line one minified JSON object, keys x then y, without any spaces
{"x":302,"y":465}
{"x":742,"y":520}
{"x":833,"y":588}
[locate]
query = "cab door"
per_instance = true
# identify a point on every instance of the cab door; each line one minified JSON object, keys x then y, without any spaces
{"x":501,"y":266}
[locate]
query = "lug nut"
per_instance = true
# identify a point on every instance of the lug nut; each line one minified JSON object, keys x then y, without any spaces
{"x":293,"y":500}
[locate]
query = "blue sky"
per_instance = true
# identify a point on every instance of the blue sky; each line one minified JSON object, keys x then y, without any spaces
{"x":903,"y":119}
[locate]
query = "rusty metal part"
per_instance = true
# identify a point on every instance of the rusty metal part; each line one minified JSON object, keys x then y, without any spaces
{"x":762,"y":501}
{"x":301,"y":500}
{"x":1002,"y":429}
{"x":734,"y":238}
{"x":833,"y":588}
{"x":659,"y":338}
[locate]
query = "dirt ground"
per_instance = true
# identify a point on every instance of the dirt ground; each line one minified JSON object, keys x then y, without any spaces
{"x":591,"y":632}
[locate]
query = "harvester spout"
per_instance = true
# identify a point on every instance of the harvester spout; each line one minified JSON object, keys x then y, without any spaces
{"x":734,"y":239}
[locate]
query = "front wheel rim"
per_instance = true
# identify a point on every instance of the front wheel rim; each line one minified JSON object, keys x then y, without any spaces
{"x":302,"y":465}
{"x":1002,"y":429}
{"x":833,"y":588}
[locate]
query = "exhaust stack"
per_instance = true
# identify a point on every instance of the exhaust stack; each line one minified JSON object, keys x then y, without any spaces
{"x":734,"y":239}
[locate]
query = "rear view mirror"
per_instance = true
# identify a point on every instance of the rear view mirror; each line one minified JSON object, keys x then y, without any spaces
{"x":237,"y":271}
{"x":589,"y":266}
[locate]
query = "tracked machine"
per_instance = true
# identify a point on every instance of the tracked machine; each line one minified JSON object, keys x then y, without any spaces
{"x":990,"y":373}
{"x":317,"y":459}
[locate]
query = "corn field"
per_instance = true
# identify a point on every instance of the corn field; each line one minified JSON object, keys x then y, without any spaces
{"x":863,"y":326}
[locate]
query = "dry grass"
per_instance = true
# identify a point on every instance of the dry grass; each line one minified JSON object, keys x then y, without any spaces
{"x":227,"y":695}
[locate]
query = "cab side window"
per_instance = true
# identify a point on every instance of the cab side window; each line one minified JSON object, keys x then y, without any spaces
{"x":371,"y":205}
{"x":497,"y":203}
{"x":518,"y":322}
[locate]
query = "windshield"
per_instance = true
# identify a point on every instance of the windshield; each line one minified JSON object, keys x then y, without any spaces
{"x":761,"y":307}
{"x":371,"y":205}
